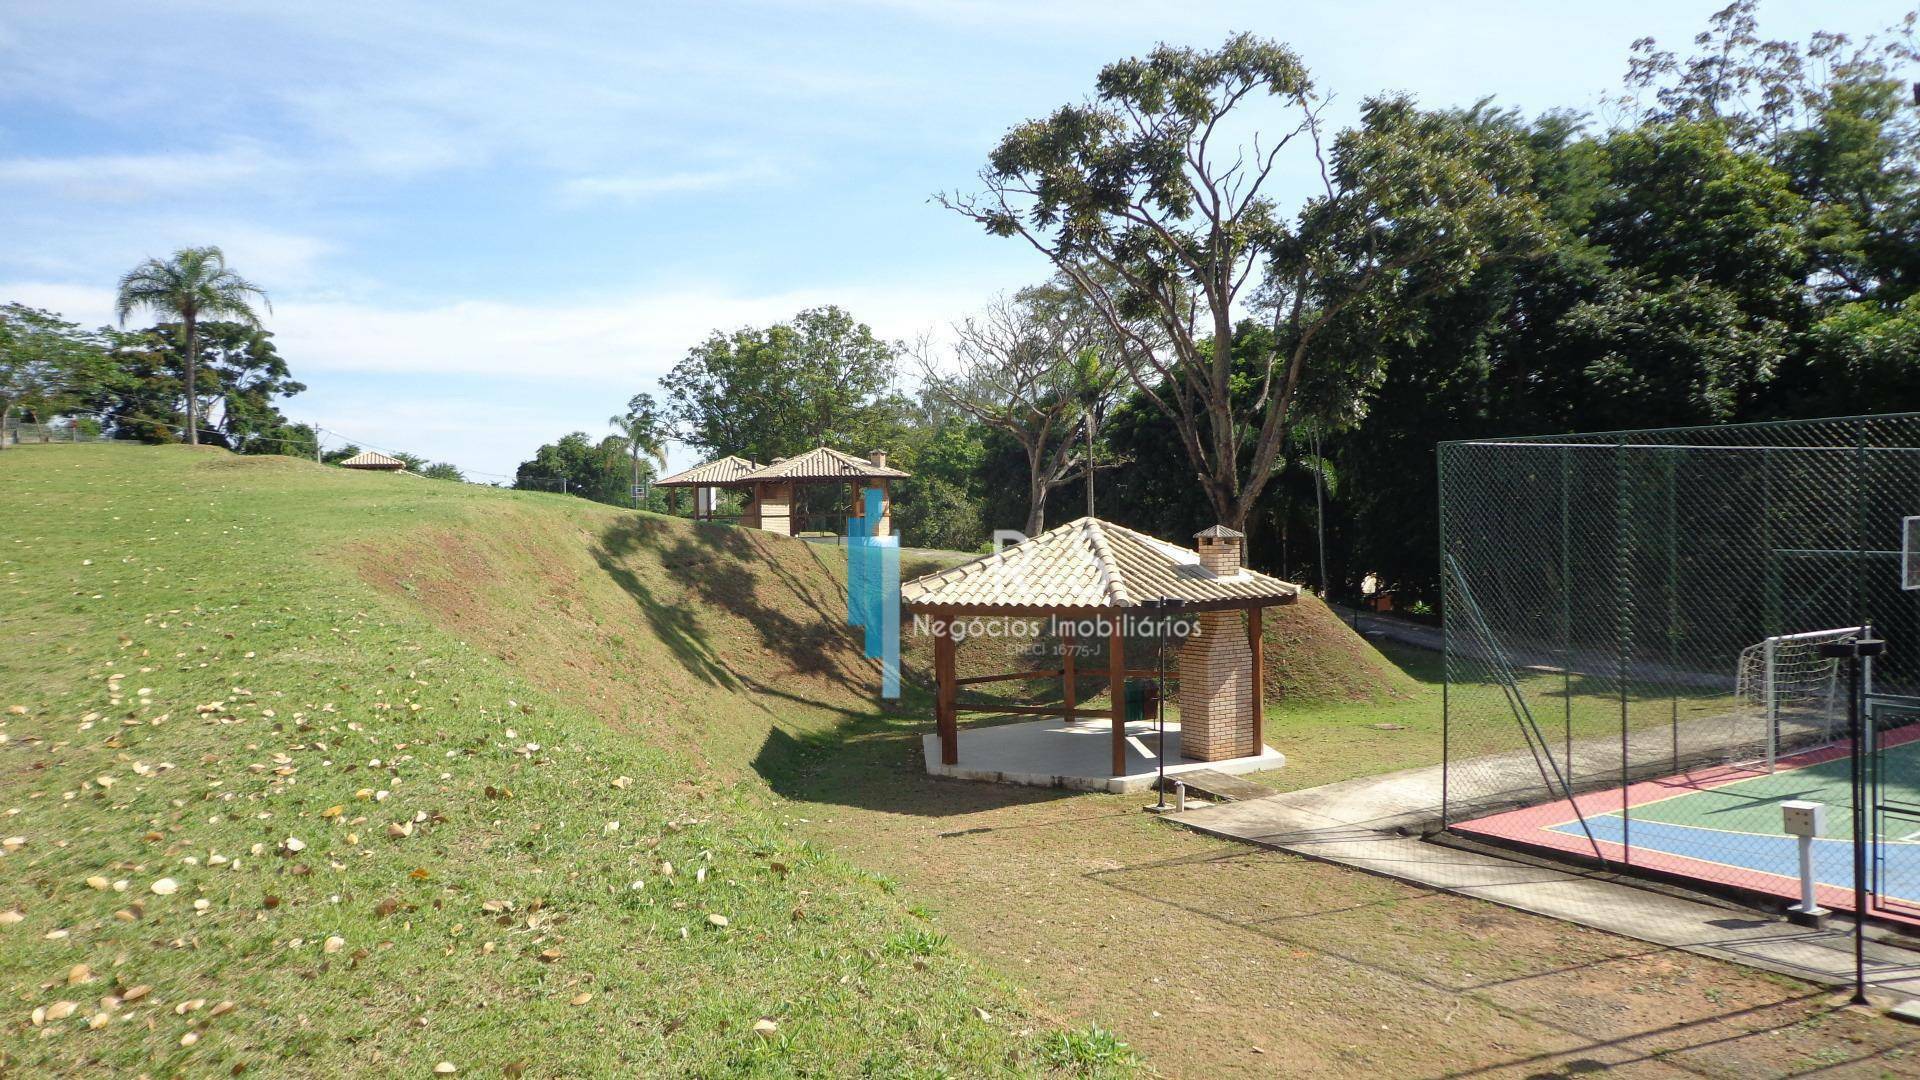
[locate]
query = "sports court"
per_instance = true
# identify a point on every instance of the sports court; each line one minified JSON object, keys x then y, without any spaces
{"x":1643,"y":633}
{"x":1722,"y":825}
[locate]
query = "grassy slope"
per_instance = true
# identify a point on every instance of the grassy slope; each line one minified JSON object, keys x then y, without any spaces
{"x":202,"y":659}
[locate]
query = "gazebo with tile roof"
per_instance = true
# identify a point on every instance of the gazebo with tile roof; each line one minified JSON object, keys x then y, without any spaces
{"x":774,"y":486}
{"x":705,"y":479}
{"x":374,"y":461}
{"x":1089,"y":570}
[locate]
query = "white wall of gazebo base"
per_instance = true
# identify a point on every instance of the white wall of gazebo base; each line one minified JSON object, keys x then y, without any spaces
{"x":1058,"y":754}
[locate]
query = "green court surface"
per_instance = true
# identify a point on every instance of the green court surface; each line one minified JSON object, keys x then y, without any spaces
{"x":1753,"y":806}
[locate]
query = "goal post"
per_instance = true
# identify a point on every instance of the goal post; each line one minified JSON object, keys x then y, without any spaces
{"x":1787,"y":697}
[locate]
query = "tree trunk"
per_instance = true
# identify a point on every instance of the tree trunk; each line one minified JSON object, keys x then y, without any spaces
{"x":187,"y":324}
{"x":1036,"y":492}
{"x":6,"y":412}
{"x":1036,"y":506}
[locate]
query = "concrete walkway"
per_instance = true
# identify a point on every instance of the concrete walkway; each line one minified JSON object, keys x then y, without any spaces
{"x":1360,"y":823}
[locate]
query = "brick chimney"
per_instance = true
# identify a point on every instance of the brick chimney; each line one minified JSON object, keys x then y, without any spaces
{"x":1216,"y":667}
{"x":1220,"y":549}
{"x":878,"y":457}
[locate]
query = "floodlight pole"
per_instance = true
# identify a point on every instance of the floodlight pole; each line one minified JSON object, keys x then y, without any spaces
{"x":1852,"y":651}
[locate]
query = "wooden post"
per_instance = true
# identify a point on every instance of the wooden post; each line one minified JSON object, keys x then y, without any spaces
{"x":1117,"y":690}
{"x":1259,"y":681}
{"x":944,"y":714}
{"x":1067,"y":673}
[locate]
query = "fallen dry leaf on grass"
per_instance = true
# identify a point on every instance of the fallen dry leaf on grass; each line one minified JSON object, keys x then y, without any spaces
{"x":581,"y":998}
{"x":166,"y":886}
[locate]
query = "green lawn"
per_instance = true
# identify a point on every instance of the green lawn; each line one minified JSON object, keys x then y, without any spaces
{"x":234,"y":771}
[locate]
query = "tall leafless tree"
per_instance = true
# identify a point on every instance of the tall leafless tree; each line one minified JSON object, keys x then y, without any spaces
{"x":1012,"y":367}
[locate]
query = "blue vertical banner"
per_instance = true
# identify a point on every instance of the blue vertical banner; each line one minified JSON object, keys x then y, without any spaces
{"x":873,"y":589}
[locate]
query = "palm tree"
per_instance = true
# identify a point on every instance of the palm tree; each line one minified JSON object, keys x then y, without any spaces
{"x":640,"y":427}
{"x":1095,"y":384}
{"x":193,"y":285}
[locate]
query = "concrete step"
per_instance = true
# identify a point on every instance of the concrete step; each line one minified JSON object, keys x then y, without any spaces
{"x":1220,"y":787}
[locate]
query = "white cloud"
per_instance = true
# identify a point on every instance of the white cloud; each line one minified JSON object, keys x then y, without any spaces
{"x":501,"y":378}
{"x":103,"y":251}
{"x":127,"y":177}
{"x":634,"y":338}
{"x":634,"y":187}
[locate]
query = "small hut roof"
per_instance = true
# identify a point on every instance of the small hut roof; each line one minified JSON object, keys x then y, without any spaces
{"x":715,"y":473}
{"x":1091,"y":563}
{"x":373,"y":459}
{"x":823,"y":463}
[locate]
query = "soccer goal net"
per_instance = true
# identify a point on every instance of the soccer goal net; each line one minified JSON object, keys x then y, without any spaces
{"x":1787,"y":697}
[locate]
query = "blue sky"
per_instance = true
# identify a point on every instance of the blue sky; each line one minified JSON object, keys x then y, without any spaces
{"x":483,"y":225}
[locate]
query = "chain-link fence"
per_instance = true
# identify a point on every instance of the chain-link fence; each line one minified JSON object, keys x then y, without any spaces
{"x":1632,"y":631}
{"x":16,"y":433}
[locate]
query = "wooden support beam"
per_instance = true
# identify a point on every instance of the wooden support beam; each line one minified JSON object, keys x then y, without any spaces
{"x":1027,"y":710}
{"x":1117,"y":684}
{"x":1259,"y":681}
{"x":1067,"y":673}
{"x":972,"y":679}
{"x":944,"y":712}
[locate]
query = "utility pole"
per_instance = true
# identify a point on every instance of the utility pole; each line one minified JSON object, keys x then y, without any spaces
{"x":1852,"y":652}
{"x":1090,"y":512}
{"x":1320,"y":509}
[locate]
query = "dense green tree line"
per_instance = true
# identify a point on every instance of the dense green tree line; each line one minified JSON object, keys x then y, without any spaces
{"x":132,"y":384}
{"x":1741,"y":242}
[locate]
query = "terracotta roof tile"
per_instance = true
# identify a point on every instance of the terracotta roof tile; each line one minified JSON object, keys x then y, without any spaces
{"x":373,"y":459}
{"x":1090,"y":563}
{"x":823,"y":463}
{"x":712,"y":473}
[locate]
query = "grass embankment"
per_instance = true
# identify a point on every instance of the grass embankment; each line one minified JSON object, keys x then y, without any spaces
{"x":337,"y":749}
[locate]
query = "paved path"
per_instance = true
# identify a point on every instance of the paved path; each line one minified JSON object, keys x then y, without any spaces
{"x":1363,"y":824}
{"x":1538,"y":657}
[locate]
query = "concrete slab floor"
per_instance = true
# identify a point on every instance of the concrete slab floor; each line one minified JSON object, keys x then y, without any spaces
{"x":1077,"y":755}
